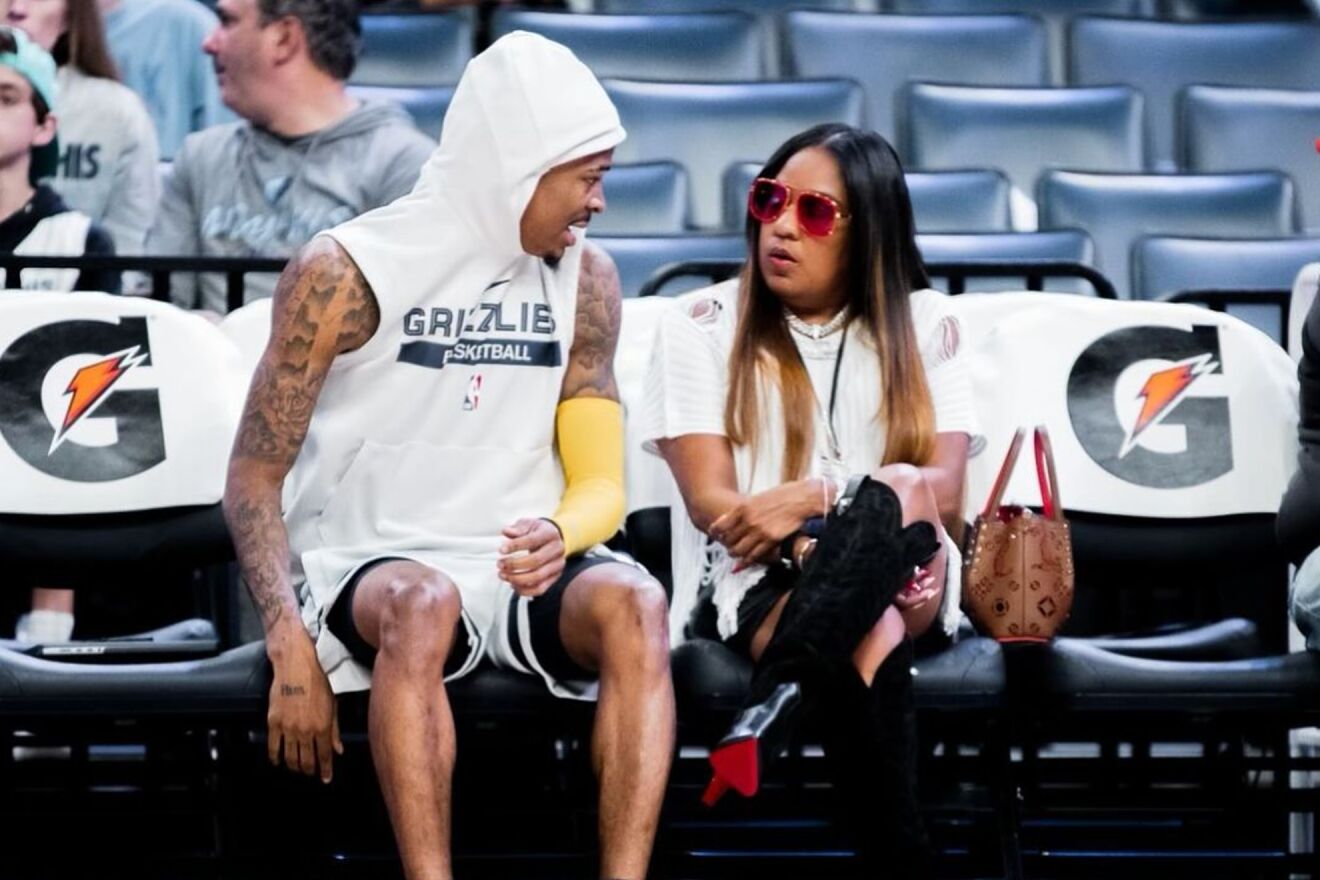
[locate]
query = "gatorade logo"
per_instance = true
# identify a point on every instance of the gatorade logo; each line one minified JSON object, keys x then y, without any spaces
{"x":73,"y":402}
{"x":1146,"y":406}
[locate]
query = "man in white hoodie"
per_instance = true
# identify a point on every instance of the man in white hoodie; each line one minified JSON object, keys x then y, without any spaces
{"x":437,"y":418}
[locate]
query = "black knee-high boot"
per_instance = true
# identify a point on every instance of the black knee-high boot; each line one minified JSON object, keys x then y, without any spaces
{"x":863,"y":559}
{"x":870,"y":741}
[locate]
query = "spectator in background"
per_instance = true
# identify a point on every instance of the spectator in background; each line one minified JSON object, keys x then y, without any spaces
{"x":157,"y":45}
{"x":307,"y":155}
{"x":33,"y":220}
{"x":108,"y":156}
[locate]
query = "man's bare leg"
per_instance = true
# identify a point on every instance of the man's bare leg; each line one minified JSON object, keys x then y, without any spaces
{"x":614,"y":619}
{"x":410,"y":613}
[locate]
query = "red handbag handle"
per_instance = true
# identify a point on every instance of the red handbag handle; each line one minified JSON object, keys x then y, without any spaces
{"x":1045,"y":474}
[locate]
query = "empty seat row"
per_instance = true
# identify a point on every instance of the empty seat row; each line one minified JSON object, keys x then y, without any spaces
{"x":1021,"y":131}
{"x":881,"y":52}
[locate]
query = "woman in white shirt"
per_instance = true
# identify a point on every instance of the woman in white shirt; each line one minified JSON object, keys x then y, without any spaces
{"x":829,"y":357}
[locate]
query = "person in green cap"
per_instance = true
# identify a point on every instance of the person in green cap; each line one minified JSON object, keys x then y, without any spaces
{"x":33,"y":219}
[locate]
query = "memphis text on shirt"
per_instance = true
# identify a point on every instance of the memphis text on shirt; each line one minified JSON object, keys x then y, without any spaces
{"x":529,"y":318}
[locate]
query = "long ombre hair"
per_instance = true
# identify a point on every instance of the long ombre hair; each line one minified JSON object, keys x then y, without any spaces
{"x":884,"y":267}
{"x":83,"y":43}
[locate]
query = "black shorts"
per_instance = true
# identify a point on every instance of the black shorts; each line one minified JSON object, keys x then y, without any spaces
{"x":760,"y":600}
{"x":542,"y":616}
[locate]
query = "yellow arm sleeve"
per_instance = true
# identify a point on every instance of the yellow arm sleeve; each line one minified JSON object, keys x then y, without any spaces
{"x":589,"y":431}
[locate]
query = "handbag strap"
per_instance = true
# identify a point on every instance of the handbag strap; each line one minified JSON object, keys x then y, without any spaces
{"x":1047,"y":476}
{"x":1005,"y":471}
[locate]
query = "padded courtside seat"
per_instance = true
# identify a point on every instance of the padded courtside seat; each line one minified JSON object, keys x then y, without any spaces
{"x":639,"y":257}
{"x":1162,"y":57}
{"x":427,"y":105}
{"x":650,"y":198}
{"x":1055,"y":13}
{"x":710,"y":681}
{"x":233,"y":683}
{"x":414,"y":49}
{"x":1232,"y":639}
{"x":1081,"y":677}
{"x":1025,"y":132}
{"x":1118,"y":209}
{"x":974,"y":200}
{"x":1228,"y":129}
{"x":882,"y":52}
{"x":697,"y":46}
{"x":707,"y":126}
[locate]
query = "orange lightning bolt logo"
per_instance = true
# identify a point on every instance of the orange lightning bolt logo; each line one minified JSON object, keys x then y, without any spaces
{"x":1162,"y":391}
{"x":91,"y":385}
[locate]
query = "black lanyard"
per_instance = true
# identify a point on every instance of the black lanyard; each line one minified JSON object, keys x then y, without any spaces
{"x":834,"y":383}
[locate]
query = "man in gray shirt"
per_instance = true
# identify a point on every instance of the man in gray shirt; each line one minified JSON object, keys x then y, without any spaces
{"x":304,"y":157}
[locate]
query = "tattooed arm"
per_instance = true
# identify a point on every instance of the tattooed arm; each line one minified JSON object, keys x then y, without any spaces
{"x":590,"y":370}
{"x":322,"y":307}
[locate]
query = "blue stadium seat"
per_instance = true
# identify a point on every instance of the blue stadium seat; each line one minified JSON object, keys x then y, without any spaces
{"x":942,"y":201}
{"x":1164,"y":265}
{"x":1060,"y":246}
{"x":959,"y":201}
{"x":737,"y":181}
{"x":414,"y":49}
{"x":706,"y":126}
{"x":1251,"y":278}
{"x":759,"y":7}
{"x":638,"y":257}
{"x":882,"y":52}
{"x":1118,"y":209}
{"x":646,"y":199}
{"x":701,"y":46}
{"x":1025,"y":132}
{"x":426,"y":106}
{"x":1161,"y":57}
{"x":1055,"y":13}
{"x":1229,"y":129}
{"x":767,"y":13}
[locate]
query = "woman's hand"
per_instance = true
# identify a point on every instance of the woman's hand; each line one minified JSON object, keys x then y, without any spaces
{"x":753,"y":529}
{"x":918,"y":591}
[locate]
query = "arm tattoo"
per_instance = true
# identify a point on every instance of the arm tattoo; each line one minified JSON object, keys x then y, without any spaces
{"x":322,"y":307}
{"x":590,"y":370}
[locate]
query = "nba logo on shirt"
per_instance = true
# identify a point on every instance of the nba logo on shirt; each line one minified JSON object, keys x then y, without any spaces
{"x":473,"y":397}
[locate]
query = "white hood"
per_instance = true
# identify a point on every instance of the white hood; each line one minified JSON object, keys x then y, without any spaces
{"x":523,"y":106}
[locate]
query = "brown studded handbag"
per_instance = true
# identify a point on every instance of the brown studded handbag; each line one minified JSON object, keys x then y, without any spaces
{"x":1018,"y":566}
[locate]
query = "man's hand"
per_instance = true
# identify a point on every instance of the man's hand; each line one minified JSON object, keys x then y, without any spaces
{"x":532,"y":557}
{"x":302,"y":722}
{"x":755,"y":526}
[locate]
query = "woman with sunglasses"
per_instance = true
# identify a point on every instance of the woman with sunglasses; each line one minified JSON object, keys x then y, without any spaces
{"x":828,"y":358}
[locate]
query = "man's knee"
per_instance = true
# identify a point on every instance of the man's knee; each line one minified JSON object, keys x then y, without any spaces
{"x":418,"y":617}
{"x":632,"y":613}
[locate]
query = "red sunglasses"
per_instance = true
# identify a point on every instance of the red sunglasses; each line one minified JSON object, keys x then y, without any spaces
{"x":817,"y":213}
